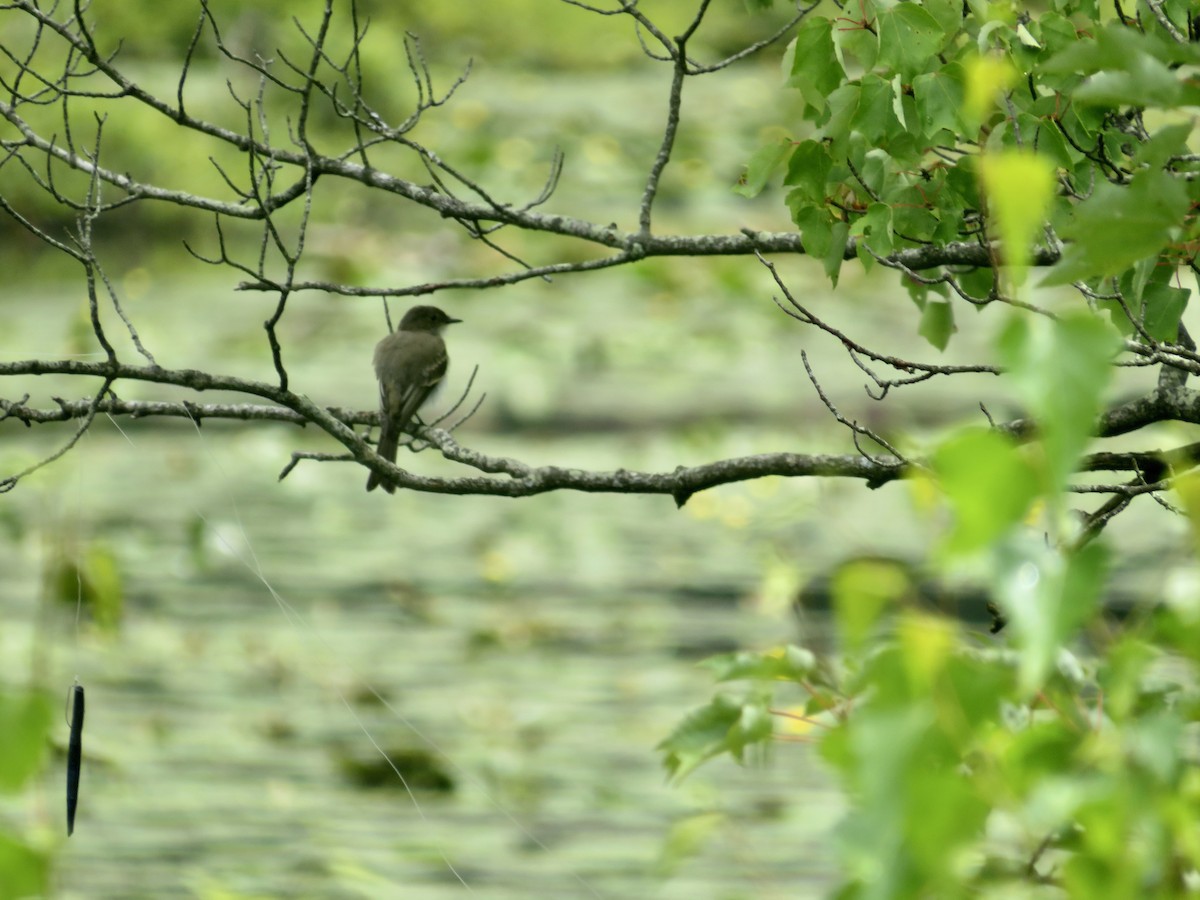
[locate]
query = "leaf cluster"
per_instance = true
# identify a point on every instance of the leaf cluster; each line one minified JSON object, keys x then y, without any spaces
{"x":904,"y":104}
{"x":974,"y":767}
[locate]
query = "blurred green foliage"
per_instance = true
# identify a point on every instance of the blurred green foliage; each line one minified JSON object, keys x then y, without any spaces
{"x":974,"y":768}
{"x":1060,"y":758}
{"x":905,"y":103}
{"x":25,"y":720}
{"x":88,"y":580}
{"x":502,"y":33}
{"x":150,"y":42}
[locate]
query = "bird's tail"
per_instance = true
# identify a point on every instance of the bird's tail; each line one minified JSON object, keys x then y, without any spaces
{"x":387,"y":449}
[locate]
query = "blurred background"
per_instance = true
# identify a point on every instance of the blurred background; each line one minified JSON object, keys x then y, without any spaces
{"x":258,"y":654}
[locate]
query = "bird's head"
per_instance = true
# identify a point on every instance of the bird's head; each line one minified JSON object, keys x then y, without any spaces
{"x":426,"y":318}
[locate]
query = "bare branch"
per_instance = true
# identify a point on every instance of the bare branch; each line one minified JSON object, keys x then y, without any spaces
{"x":801,"y":313}
{"x":670,"y":129}
{"x":9,"y":482}
{"x":779,"y":34}
{"x":853,"y":426}
{"x":520,"y":479}
{"x":1156,"y":7}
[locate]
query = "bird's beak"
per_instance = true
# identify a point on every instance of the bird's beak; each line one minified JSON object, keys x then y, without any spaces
{"x":454,"y":321}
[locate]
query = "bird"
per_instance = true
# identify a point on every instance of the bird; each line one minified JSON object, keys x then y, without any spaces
{"x":409,"y":363}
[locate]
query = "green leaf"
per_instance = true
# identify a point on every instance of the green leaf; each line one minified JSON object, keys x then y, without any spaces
{"x":843,"y":106}
{"x":816,"y":230}
{"x":909,"y":39}
{"x":885,"y":754}
{"x":1019,"y":187}
{"x":878,"y":172}
{"x":25,"y":725}
{"x":937,"y":323}
{"x":874,"y":117}
{"x":1112,"y":47}
{"x":914,"y":222}
{"x":1060,"y":369}
{"x":1154,"y":742}
{"x":862,"y":590}
{"x":988,"y":483}
{"x":808,"y":169}
{"x":1187,"y":489}
{"x":1168,"y":141}
{"x":762,"y":166}
{"x":755,"y":725}
{"x":971,"y":690}
{"x":815,"y":68}
{"x":24,"y":869}
{"x":102,"y":573}
{"x":1041,"y":751}
{"x":91,"y":579}
{"x":1047,"y":596}
{"x":1127,"y":67}
{"x":948,"y":14}
{"x":700,"y":736}
{"x":1049,"y":142}
{"x":987,"y":78}
{"x":836,"y":252}
{"x":861,"y":45}
{"x":1150,"y":84}
{"x":788,"y":663}
{"x":921,"y":293}
{"x":1149,"y":298}
{"x":1164,"y":306}
{"x":876,"y":228}
{"x":939,"y":99}
{"x":725,"y":725}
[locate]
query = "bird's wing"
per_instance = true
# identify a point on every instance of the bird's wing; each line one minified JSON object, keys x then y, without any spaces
{"x":420,"y":384}
{"x":409,"y":366}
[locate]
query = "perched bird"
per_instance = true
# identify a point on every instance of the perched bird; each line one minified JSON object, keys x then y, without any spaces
{"x":409,"y":363}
